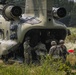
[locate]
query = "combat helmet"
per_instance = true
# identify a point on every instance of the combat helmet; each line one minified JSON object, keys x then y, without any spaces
{"x":61,"y":42}
{"x":53,"y":43}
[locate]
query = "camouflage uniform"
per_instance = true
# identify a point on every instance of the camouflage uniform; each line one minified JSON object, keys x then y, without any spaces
{"x":53,"y":47}
{"x":40,"y":50}
{"x":27,"y":52}
{"x":64,"y":49}
{"x":55,"y":51}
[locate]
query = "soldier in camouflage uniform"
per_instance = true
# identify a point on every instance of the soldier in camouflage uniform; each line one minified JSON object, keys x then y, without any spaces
{"x":64,"y":49}
{"x":53,"y":47}
{"x":27,"y":51}
{"x":40,"y":50}
{"x":55,"y":51}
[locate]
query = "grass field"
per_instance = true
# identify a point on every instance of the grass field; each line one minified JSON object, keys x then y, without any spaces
{"x":48,"y":67}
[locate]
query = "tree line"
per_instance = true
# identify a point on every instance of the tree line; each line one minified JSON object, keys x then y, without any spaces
{"x":70,"y":6}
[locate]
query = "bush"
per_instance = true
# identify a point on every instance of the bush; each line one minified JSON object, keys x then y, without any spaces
{"x":72,"y":37}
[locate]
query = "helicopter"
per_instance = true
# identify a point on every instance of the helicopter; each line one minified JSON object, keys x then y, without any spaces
{"x":36,"y":19}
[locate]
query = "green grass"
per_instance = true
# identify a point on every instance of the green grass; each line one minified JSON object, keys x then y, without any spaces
{"x":48,"y":67}
{"x":72,"y":37}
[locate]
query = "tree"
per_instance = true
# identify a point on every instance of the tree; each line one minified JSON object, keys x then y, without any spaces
{"x":68,"y":4}
{"x":73,"y":16}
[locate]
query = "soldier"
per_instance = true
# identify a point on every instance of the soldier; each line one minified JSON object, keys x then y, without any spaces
{"x":40,"y":50}
{"x":27,"y":50}
{"x":64,"y":49}
{"x":53,"y":47}
{"x":55,"y":51}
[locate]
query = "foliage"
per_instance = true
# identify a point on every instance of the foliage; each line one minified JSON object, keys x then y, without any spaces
{"x":64,"y":3}
{"x":47,"y":67}
{"x":72,"y":37}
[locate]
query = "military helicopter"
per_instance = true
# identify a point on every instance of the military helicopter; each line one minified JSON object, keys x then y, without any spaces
{"x":36,"y":19}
